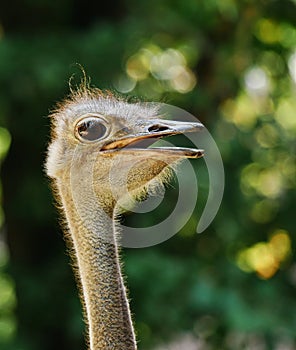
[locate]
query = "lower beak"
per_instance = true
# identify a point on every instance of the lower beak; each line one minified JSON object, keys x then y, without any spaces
{"x":156,"y":129}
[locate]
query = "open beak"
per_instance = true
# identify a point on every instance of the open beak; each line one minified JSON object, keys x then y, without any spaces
{"x":155,"y":129}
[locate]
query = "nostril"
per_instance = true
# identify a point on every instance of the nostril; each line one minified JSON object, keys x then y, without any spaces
{"x":157,"y":128}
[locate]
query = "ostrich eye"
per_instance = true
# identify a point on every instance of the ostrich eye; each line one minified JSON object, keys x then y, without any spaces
{"x":90,"y":129}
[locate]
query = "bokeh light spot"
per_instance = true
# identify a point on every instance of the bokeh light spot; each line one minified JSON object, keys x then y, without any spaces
{"x":240,"y":112}
{"x":125,"y":84}
{"x":270,"y":183}
{"x":137,"y":66}
{"x":184,"y":82}
{"x":285,"y":115}
{"x":268,"y":31}
{"x":280,"y":243}
{"x":265,"y":258}
{"x":256,"y":81}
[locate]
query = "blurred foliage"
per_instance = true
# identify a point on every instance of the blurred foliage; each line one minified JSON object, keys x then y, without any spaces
{"x":232,"y":64}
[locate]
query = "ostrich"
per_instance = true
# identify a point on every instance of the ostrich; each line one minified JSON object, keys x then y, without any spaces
{"x":95,"y":134}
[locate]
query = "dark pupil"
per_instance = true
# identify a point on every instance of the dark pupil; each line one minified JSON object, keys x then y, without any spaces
{"x":91,"y":130}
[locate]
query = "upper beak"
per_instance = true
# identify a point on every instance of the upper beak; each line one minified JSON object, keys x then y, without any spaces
{"x":156,"y":129}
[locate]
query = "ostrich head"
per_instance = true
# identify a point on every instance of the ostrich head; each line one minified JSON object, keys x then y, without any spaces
{"x":106,"y":139}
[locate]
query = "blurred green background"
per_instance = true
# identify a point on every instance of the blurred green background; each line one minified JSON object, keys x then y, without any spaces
{"x":231,"y":63}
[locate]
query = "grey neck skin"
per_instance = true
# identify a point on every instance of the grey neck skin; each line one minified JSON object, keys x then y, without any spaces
{"x":92,"y":236}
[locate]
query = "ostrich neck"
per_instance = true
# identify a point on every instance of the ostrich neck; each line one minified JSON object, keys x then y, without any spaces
{"x":95,"y":252}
